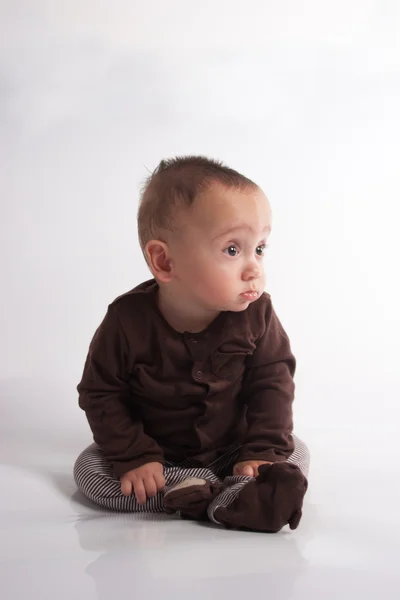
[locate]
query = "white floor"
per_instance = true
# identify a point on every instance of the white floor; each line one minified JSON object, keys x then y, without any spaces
{"x":54,"y":545}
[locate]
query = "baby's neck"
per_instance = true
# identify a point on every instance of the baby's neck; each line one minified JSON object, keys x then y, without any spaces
{"x":180,"y":318}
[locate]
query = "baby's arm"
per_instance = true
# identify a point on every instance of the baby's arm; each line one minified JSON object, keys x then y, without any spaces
{"x":104,"y":394}
{"x":268,"y":391}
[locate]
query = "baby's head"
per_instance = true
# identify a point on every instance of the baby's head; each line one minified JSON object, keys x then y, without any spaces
{"x":203,"y":229}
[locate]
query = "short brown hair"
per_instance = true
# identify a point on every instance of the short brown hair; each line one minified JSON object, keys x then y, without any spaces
{"x":178,"y":181}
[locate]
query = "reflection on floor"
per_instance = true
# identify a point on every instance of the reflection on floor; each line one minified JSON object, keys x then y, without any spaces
{"x":55,"y":545}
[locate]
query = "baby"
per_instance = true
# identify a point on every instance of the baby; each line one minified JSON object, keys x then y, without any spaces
{"x":188,"y":383}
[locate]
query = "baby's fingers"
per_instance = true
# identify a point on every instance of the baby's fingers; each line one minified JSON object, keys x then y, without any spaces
{"x":140,"y":491}
{"x":151,"y":487}
{"x":160,"y":481}
{"x":248,"y":471}
{"x":126,"y":486}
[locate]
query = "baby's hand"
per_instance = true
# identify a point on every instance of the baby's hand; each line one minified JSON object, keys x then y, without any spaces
{"x":249,"y":467}
{"x":145,"y":481}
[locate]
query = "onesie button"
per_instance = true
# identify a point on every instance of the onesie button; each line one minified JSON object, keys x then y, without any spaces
{"x":199,"y":375}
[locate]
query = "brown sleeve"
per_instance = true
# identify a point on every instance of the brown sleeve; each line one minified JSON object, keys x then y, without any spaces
{"x":105,"y":396}
{"x":268,"y":391}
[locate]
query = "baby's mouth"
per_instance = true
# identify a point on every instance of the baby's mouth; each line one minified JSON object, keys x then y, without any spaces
{"x":250,"y":294}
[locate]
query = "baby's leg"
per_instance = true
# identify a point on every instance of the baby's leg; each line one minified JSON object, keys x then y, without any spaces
{"x":269,"y":501}
{"x":191,"y":497}
{"x":95,"y":479}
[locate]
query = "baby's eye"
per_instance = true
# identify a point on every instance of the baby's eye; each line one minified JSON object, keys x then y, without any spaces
{"x":260,"y":249}
{"x":231,"y":250}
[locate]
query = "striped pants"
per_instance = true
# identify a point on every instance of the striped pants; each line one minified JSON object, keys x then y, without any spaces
{"x":96,"y":480}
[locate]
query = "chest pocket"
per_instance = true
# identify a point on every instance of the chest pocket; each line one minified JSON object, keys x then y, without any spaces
{"x":229,"y":365}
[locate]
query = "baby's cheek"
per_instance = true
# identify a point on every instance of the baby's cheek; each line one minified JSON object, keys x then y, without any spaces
{"x":211,"y":276}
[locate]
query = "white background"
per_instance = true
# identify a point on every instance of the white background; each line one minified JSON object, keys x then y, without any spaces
{"x":301,"y":96}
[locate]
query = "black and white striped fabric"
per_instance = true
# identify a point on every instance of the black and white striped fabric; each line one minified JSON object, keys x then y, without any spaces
{"x":96,"y":480}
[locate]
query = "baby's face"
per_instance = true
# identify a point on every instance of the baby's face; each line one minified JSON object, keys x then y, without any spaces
{"x":219,"y":252}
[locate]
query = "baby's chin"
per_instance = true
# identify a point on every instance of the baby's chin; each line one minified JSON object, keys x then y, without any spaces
{"x":234,"y":306}
{"x":239,"y":306}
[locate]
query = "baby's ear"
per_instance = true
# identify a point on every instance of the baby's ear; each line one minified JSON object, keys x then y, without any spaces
{"x":159,"y":261}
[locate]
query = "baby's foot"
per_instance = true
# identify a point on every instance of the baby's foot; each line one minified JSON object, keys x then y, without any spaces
{"x":191,"y":498}
{"x":267,"y":503}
